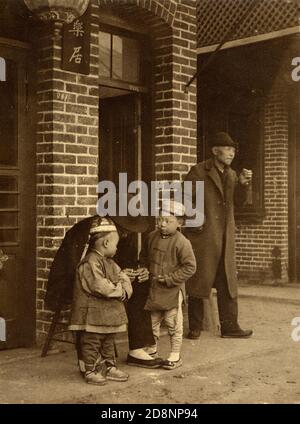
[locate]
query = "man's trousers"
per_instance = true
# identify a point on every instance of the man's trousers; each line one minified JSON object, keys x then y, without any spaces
{"x":227,"y":306}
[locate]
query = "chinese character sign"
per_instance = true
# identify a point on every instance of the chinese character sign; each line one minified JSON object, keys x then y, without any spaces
{"x":76,"y":45}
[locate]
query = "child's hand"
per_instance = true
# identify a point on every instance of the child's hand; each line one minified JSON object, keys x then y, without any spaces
{"x":126,"y":284}
{"x":124,"y":296}
{"x":143,"y":275}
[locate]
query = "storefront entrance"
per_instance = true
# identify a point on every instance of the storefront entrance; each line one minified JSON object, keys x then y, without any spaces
{"x":125,"y":117}
{"x":125,"y":132}
{"x":119,"y":138}
{"x":125,"y":144}
{"x":17,"y":202}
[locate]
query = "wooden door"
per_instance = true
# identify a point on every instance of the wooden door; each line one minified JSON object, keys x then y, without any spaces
{"x":118,"y":138}
{"x":126,"y":144}
{"x":17,"y":201}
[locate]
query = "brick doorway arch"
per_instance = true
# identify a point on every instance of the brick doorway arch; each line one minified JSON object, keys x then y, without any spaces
{"x":165,"y":10}
{"x":172,"y":28}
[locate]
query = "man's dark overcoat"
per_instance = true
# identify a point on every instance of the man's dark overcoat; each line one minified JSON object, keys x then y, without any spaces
{"x":217,"y":235}
{"x":62,"y":273}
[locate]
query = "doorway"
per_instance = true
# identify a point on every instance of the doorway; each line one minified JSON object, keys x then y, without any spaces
{"x":17,"y":203}
{"x":125,"y":131}
{"x":119,"y":136}
{"x":125,"y":145}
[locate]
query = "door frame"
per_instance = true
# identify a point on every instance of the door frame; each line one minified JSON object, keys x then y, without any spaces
{"x":144,"y":144}
{"x":144,"y":140}
{"x":26,"y":171}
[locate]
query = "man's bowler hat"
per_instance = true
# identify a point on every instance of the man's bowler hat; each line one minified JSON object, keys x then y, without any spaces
{"x":222,"y":139}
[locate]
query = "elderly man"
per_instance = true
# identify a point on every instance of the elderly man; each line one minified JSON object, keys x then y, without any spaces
{"x":214,"y":242}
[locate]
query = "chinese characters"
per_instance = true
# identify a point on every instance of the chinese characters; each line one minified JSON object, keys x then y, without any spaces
{"x":76,"y":45}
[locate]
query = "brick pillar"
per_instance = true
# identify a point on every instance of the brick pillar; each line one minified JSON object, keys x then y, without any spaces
{"x":67,"y":149}
{"x":175,"y":109}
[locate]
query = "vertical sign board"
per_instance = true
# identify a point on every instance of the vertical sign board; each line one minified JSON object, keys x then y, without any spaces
{"x":76,"y":45}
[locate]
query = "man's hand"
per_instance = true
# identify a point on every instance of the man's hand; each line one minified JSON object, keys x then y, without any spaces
{"x":161,"y":279}
{"x":245,"y":176}
{"x":142,"y":274}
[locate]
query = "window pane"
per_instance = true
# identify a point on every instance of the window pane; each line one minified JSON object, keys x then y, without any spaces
{"x":131,"y":60}
{"x":9,"y":200}
{"x":104,"y":54}
{"x":8,"y":219}
{"x":7,"y":236}
{"x":8,"y":183}
{"x":117,"y":65}
{"x":8,"y":116}
{"x":126,"y":59}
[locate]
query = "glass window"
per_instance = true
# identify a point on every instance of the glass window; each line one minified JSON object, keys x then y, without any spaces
{"x":8,"y":116}
{"x":8,"y":236}
{"x":8,"y":219}
{"x":105,"y":54}
{"x":117,"y":58}
{"x":126,"y":59}
{"x":120,"y":58}
{"x":8,"y":200}
{"x":8,"y":183}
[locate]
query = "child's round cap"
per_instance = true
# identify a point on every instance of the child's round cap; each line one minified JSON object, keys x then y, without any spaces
{"x":172,"y":207}
{"x":102,"y":225}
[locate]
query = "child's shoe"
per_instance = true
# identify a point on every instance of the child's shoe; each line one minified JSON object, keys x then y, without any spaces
{"x":114,"y":374}
{"x":171,"y":365}
{"x":93,"y":377}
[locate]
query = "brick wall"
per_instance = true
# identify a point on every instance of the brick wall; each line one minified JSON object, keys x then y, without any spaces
{"x":256,"y":242}
{"x":175,"y":109}
{"x":67,"y":150}
{"x":67,"y":134}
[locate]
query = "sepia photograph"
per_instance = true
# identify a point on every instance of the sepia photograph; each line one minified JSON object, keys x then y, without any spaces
{"x":149,"y":205}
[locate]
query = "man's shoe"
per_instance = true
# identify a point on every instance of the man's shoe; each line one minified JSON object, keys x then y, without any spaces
{"x":114,"y":374}
{"x":93,"y":377}
{"x":144,"y":363}
{"x":194,"y":334}
{"x":236,"y":333}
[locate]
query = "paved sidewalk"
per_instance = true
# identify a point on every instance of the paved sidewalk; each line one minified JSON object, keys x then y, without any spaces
{"x":25,"y":377}
{"x":287,"y":294}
